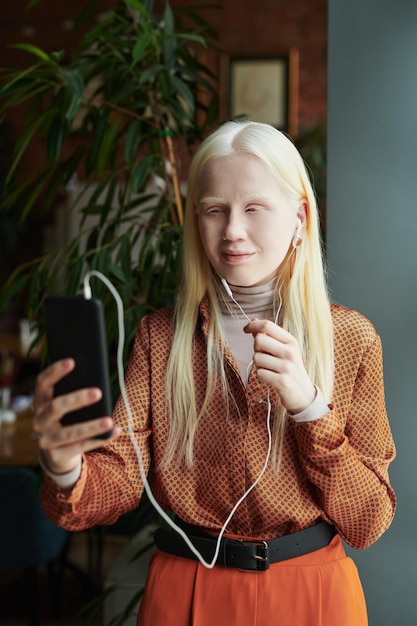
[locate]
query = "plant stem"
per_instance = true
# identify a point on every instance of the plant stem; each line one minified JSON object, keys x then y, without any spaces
{"x":174,"y":174}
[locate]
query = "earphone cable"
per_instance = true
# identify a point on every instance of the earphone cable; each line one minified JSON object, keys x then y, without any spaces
{"x":120,"y":370}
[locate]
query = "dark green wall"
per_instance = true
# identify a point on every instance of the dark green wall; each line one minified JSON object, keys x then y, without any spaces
{"x":372,"y":248}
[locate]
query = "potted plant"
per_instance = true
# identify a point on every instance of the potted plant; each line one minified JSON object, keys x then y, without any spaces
{"x":117,"y":119}
{"x":113,"y":115}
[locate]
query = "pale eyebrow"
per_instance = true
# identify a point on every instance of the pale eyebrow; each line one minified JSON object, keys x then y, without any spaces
{"x":259,"y":198}
{"x":210,"y":200}
{"x":256,"y":198}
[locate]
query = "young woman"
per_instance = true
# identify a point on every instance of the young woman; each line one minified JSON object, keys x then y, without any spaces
{"x":260,"y":404}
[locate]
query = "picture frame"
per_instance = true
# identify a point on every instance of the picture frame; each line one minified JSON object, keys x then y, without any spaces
{"x":262,"y":89}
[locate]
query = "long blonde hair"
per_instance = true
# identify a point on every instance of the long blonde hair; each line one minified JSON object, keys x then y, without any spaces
{"x":301,"y":285}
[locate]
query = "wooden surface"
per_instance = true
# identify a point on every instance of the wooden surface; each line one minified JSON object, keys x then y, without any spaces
{"x":16,"y":446}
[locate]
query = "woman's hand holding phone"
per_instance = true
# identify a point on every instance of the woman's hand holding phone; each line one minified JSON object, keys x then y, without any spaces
{"x":62,"y":446}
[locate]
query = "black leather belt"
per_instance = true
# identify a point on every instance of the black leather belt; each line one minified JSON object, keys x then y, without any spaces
{"x":254,"y":556}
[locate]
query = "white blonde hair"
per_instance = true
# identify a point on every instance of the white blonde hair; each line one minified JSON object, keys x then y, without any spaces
{"x":301,"y":284}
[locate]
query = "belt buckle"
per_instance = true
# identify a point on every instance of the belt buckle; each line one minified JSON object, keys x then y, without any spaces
{"x":261,"y":557}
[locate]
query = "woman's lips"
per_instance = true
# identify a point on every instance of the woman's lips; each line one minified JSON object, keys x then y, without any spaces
{"x":235,"y":256}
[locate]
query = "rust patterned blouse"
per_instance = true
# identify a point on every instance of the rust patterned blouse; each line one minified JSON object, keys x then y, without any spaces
{"x":334,"y":468}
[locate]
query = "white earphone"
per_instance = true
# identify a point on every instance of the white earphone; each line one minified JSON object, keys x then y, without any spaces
{"x":297,"y":239}
{"x":226,"y":287}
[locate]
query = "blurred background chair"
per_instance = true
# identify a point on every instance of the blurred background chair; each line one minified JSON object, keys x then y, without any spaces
{"x":28,"y":539}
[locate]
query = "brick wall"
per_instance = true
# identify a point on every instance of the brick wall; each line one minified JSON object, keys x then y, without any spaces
{"x":245,"y":27}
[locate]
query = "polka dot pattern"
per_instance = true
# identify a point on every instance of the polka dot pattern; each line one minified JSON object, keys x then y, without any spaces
{"x":335,"y":468}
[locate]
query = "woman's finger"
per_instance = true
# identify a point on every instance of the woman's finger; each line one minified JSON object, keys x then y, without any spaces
{"x":48,"y":378}
{"x":62,"y":446}
{"x":268,"y":328}
{"x":60,"y":436}
{"x":55,"y":408}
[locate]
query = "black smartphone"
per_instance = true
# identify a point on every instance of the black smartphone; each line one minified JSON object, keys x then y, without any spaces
{"x":75,"y":327}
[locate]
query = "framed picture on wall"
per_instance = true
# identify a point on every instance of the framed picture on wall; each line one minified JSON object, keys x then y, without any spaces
{"x":263,"y":89}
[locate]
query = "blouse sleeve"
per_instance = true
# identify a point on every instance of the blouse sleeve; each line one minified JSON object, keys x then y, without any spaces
{"x":346,"y":454}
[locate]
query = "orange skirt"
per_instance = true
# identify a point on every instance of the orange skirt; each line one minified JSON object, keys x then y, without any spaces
{"x":318,"y":589}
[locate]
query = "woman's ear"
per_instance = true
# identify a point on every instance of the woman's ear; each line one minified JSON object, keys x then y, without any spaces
{"x":302,"y":215}
{"x":301,"y":223}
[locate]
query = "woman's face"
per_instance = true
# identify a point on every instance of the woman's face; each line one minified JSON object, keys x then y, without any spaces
{"x":246,"y":221}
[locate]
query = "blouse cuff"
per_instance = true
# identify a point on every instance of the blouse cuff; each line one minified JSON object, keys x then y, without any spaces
{"x":63,"y":481}
{"x":317,"y":409}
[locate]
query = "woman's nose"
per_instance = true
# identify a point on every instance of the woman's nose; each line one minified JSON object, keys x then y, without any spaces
{"x":234,"y":228}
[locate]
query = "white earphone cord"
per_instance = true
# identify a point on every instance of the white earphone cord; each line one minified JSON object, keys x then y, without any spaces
{"x":120,"y":369}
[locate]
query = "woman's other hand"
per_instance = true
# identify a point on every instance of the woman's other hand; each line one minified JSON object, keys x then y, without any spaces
{"x":280,"y":364}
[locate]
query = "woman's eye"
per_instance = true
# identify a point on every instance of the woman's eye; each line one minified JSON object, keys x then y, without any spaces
{"x":214,"y":209}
